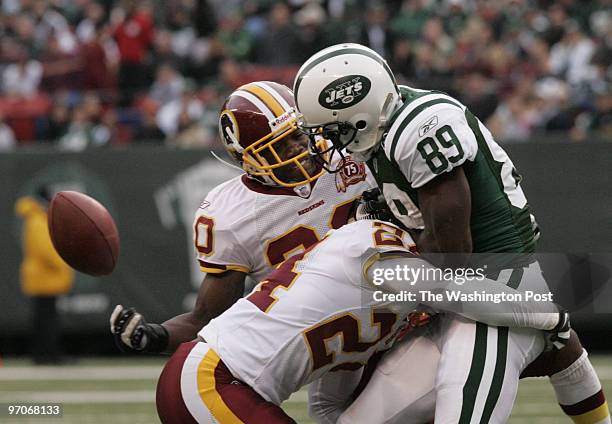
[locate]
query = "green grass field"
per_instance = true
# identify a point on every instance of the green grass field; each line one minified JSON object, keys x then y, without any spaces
{"x":122,"y":391}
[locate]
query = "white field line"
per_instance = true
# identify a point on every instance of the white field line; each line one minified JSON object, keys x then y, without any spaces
{"x":147,"y":372}
{"x":148,"y":396}
{"x":86,"y":397}
{"x":131,"y":396}
{"x":24,"y":373}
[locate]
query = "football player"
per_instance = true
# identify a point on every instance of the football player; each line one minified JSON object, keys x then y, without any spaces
{"x":281,"y":205}
{"x":441,"y":171}
{"x":322,"y":314}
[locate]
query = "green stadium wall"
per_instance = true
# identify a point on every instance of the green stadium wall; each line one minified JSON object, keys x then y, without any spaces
{"x":153,"y":194}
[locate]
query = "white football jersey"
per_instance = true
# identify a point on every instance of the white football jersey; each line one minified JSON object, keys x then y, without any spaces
{"x":314,"y":314}
{"x":246,"y":226}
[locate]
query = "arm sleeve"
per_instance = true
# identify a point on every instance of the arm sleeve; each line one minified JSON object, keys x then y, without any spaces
{"x":216,"y":245}
{"x":330,"y":395}
{"x":474,"y":298}
{"x":436,"y":141}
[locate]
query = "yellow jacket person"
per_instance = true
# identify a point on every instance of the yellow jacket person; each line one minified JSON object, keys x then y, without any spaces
{"x":43,"y":272}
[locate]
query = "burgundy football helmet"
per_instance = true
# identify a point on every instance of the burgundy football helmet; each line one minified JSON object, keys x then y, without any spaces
{"x":254,"y":121}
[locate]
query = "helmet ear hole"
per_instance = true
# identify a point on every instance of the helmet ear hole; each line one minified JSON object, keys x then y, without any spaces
{"x":361,"y":124}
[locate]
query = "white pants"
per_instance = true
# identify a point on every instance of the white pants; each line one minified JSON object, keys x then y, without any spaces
{"x":454,"y":369}
{"x":402,"y":387}
{"x":458,"y":371}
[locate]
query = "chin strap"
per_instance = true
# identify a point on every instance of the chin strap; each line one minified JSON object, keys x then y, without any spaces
{"x":263,"y":180}
{"x":226,"y":163}
{"x":386,"y":112}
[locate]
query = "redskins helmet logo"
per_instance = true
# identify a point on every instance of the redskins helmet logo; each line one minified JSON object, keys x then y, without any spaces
{"x":229,"y":129}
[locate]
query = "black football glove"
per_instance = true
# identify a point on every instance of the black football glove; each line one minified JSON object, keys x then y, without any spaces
{"x":559,"y":336}
{"x":372,"y":205}
{"x":133,"y":334}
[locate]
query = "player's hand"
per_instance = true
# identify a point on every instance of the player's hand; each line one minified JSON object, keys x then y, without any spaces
{"x":133,"y":334}
{"x":372,"y":205}
{"x":559,"y":336}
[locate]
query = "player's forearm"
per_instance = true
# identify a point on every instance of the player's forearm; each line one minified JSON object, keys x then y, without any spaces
{"x":450,"y":243}
{"x":456,"y":246}
{"x":445,"y":204}
{"x":426,"y":242}
{"x":183,"y":328}
{"x":217,"y":293}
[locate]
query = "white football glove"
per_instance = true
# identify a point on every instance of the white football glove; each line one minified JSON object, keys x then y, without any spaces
{"x":558,"y":337}
{"x":372,"y":205}
{"x":535,"y":228}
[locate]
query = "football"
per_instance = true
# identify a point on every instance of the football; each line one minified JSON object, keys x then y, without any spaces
{"x":83,"y":233}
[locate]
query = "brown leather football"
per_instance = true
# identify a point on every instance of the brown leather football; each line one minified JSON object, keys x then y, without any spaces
{"x":83,"y":233}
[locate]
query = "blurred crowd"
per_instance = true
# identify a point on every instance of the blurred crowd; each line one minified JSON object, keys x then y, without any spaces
{"x":93,"y":73}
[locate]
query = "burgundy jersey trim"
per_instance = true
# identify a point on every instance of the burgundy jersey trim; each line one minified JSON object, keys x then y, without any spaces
{"x":212,"y":266}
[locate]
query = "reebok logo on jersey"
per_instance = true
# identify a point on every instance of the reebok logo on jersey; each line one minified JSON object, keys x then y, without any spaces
{"x":427,"y":126}
{"x":311,"y":207}
{"x":345,"y":92}
{"x":204,"y":204}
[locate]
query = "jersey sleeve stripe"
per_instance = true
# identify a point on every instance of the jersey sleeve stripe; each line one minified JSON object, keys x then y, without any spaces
{"x":413,"y":114}
{"x":217,"y":269}
{"x":408,"y":100}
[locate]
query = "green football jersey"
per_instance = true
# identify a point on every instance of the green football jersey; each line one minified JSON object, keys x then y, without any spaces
{"x":431,"y":134}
